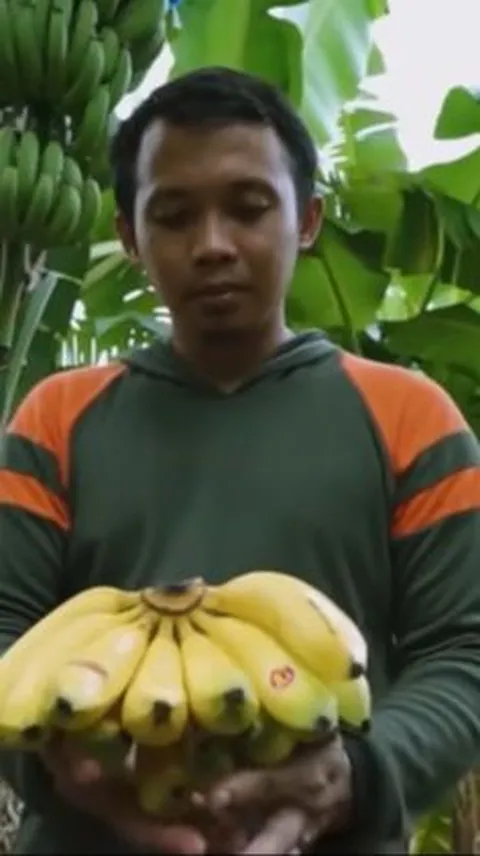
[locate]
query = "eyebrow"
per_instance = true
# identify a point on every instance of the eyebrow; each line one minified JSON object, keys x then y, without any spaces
{"x":174,"y":194}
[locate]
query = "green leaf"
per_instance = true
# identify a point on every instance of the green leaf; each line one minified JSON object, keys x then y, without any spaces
{"x":377,"y":8}
{"x":42,"y":360}
{"x":70,"y":265}
{"x":416,"y":243}
{"x":473,"y":219}
{"x":376,"y":62}
{"x":125,"y":330}
{"x":108,"y":284}
{"x":460,"y":114}
{"x":433,"y":833}
{"x":239,"y":34}
{"x":337,"y":45}
{"x":467,"y":270}
{"x":459,"y":179}
{"x":454,"y":217}
{"x":454,"y":331}
{"x":32,"y":314}
{"x":369,"y":142}
{"x":275,"y":53}
{"x":335,"y":287}
{"x":374,"y":203}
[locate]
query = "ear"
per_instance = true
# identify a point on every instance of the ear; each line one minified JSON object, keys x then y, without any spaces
{"x":126,"y":234}
{"x":311,"y":223}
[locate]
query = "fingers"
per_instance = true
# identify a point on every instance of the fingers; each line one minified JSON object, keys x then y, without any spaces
{"x":149,"y":834}
{"x":115,"y":804}
{"x":69,"y":767}
{"x":280,"y":834}
{"x":310,"y":782}
{"x":264,"y":788}
{"x":82,"y":781}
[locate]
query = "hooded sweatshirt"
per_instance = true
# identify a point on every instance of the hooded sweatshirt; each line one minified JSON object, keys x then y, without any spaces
{"x":359,"y":477}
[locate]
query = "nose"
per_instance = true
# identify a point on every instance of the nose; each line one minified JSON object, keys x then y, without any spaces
{"x":213,"y":242}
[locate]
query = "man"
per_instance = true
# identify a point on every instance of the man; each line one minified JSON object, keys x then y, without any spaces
{"x":237,"y":445}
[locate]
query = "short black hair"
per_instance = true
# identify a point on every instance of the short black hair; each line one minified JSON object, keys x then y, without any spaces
{"x":213,"y":96}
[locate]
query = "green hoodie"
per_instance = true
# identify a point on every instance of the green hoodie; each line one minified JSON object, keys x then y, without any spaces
{"x":361,"y":478}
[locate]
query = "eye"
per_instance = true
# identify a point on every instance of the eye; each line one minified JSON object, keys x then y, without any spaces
{"x":171,"y":219}
{"x":251,"y":211}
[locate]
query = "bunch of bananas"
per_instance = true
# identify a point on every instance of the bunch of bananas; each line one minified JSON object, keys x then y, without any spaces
{"x":44,"y":198}
{"x":65,"y":65}
{"x":188,"y":680}
{"x":62,"y":50}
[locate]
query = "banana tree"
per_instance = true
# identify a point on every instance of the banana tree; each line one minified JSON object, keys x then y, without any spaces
{"x":63,"y":69}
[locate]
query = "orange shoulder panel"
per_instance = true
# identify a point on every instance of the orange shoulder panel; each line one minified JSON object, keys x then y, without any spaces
{"x":27,"y":493}
{"x":411,"y":412}
{"x":50,"y":411}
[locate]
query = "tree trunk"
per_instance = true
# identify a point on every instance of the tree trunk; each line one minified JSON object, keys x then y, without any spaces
{"x":466,"y":815}
{"x":9,"y":815}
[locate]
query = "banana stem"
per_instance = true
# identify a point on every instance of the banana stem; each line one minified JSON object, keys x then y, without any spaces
{"x":11,"y":290}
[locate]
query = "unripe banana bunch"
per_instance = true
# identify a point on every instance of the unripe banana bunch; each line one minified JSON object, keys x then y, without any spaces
{"x":140,"y":24}
{"x":96,"y":57}
{"x":58,"y":52}
{"x":191,"y":677}
{"x":44,"y":198}
{"x":107,"y":41}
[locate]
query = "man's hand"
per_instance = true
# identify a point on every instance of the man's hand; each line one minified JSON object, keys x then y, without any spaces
{"x":295,"y":803}
{"x":82,"y":781}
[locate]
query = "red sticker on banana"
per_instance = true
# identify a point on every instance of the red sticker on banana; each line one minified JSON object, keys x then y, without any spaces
{"x":282,"y":677}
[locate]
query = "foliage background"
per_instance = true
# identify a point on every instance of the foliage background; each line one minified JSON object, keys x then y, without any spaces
{"x":395,"y":274}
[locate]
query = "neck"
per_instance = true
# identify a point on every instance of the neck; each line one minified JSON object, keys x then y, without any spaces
{"x":227,"y":359}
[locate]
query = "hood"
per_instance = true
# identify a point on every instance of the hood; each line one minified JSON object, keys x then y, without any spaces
{"x":160,"y":360}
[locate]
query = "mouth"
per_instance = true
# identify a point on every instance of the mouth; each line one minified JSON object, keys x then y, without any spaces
{"x":219,"y":291}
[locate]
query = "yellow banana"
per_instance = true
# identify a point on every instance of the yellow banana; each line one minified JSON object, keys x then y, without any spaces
{"x":289,"y":693}
{"x":155,"y":706}
{"x":354,"y":703}
{"x":268,"y":743}
{"x":221,"y":696}
{"x":89,"y":683}
{"x":307,"y":623}
{"x":163,"y":780}
{"x":89,"y":602}
{"x":27,"y":706}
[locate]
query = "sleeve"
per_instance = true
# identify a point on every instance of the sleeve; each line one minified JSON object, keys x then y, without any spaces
{"x":34,"y":524}
{"x":426,"y":730}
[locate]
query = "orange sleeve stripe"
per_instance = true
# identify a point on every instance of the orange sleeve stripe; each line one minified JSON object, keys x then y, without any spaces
{"x":50,"y":412}
{"x":454,"y":494}
{"x":411,"y":412}
{"x":27,"y":493}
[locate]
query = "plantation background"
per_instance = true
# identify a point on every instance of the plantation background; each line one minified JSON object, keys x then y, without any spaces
{"x":391,"y":92}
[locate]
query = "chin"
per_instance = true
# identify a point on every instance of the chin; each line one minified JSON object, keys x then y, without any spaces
{"x":219,"y":323}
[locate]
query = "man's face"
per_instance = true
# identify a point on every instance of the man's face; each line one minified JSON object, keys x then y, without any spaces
{"x":217,"y":227}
